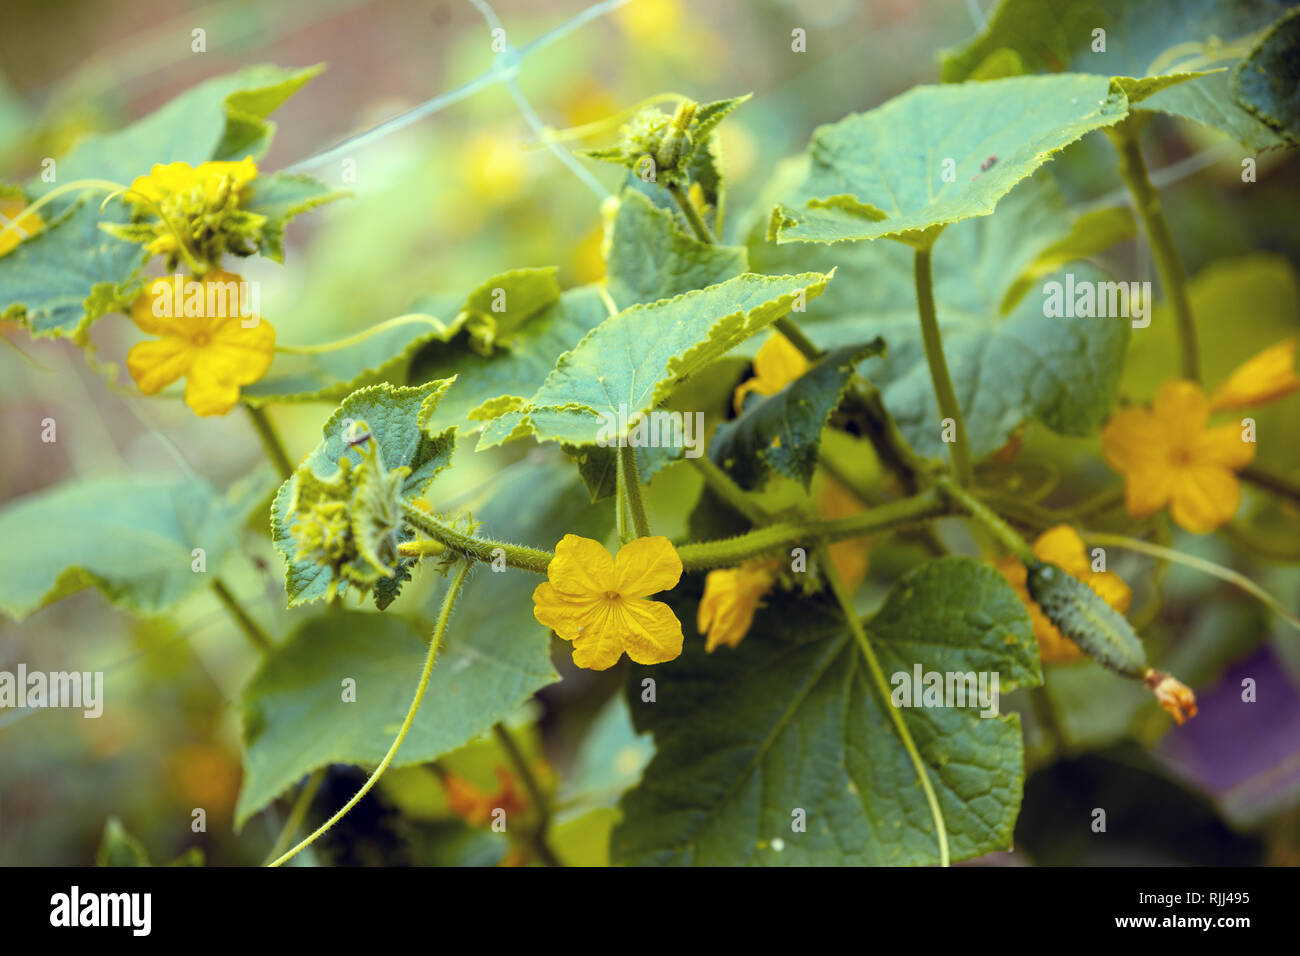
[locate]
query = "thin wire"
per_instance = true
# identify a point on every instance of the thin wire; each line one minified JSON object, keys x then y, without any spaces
{"x":503,"y":70}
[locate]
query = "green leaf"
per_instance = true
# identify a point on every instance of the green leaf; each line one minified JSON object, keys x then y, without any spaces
{"x":131,"y":539}
{"x":534,"y":345}
{"x":281,"y":196}
{"x":69,"y":274}
{"x":651,"y":259}
{"x":783,"y":431}
{"x":223,"y":118}
{"x":791,"y":720}
{"x":117,"y":847}
{"x":867,"y":179}
{"x":1267,"y":82}
{"x":1146,"y":39}
{"x":1005,"y":368}
{"x":1092,"y":232}
{"x":609,"y":761}
{"x":398,"y":419}
{"x":495,"y":657}
{"x":616,"y":373}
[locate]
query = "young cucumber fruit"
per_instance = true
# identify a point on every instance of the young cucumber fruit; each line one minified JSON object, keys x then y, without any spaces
{"x":1081,"y":615}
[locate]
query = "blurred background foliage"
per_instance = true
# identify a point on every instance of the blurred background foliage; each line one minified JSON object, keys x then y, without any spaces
{"x":469,"y":192}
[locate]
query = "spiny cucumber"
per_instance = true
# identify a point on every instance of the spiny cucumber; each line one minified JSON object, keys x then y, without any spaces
{"x":1081,"y":615}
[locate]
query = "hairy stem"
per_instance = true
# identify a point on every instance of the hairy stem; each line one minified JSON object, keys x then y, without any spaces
{"x":270,"y":440}
{"x":985,"y":517}
{"x":535,"y":795}
{"x":812,"y":532}
{"x":692,"y":214}
{"x":720,"y":483}
{"x":260,"y":640}
{"x":1173,"y":277}
{"x":882,"y":686}
{"x":480,"y":549}
{"x":300,"y":807}
{"x":629,"y":483}
{"x":949,"y":408}
{"x":440,"y":628}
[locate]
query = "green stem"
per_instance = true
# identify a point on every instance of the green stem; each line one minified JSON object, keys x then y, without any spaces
{"x":1278,"y":484}
{"x":1200,"y":564}
{"x":812,"y":532}
{"x":990,"y":521}
{"x":949,"y":407}
{"x":691,"y":213}
{"x":448,"y":602}
{"x":720,"y":483}
{"x":787,"y":327}
{"x":260,"y":640}
{"x":535,"y":795}
{"x":629,"y":482}
{"x":1173,"y":277}
{"x":480,"y":549}
{"x":882,"y":686}
{"x":703,"y":555}
{"x":270,"y":440}
{"x":300,"y":807}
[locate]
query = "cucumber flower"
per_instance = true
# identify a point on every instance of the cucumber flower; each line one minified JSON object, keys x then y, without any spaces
{"x":598,"y":602}
{"x":731,"y":596}
{"x":777,"y":364}
{"x":1169,"y":455}
{"x":210,"y":343}
{"x":193,"y":213}
{"x":1266,"y":376}
{"x":1062,"y":547}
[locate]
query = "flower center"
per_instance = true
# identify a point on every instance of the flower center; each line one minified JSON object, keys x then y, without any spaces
{"x":613,"y":596}
{"x":201,"y":338}
{"x":1180,"y":456}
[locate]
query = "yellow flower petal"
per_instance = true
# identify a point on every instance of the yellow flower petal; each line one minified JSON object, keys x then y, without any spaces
{"x":650,"y":630}
{"x":1222,"y":446}
{"x":1148,"y":490}
{"x":731,"y":596}
{"x":210,"y":396}
{"x":776,"y":365}
{"x":1183,"y":410}
{"x":1204,"y":497}
{"x":1063,"y":547}
{"x":1134,"y":438}
{"x":1110,"y":587}
{"x":647,"y":566}
{"x":155,"y":365}
{"x":567,"y":616}
{"x":235,"y":354}
{"x":600,"y":644}
{"x":25,"y":225}
{"x":1262,"y":378}
{"x":581,"y":567}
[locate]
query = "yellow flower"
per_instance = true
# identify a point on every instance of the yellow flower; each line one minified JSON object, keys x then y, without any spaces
{"x":213,"y":351}
{"x":198,"y":210}
{"x":777,"y":364}
{"x":174,"y":179}
{"x":1063,"y":547}
{"x":1266,"y":376}
{"x":1169,"y":455}
{"x":731,"y":596}
{"x":599,"y":603}
{"x":24,"y":226}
